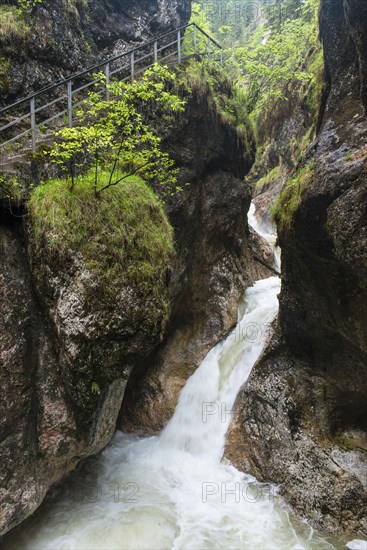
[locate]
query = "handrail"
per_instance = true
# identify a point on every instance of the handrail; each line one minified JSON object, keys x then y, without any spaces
{"x":63,"y":103}
{"x":101,"y":64}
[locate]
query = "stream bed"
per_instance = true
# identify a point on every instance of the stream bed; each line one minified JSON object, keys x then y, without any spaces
{"x":174,"y":491}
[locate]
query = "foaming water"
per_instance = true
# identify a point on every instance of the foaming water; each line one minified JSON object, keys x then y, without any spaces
{"x":268,"y":232}
{"x":173,"y":491}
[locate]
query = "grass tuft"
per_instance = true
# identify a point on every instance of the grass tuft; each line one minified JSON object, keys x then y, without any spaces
{"x":291,"y":196}
{"x":269,"y":178}
{"x":12,"y":24}
{"x":122,"y":237}
{"x":11,"y":189}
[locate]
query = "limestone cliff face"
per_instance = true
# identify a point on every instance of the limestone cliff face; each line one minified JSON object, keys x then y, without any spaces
{"x":65,"y":354}
{"x":214,"y":263}
{"x":302,"y":417}
{"x":60,"y":337}
{"x":65,"y":36}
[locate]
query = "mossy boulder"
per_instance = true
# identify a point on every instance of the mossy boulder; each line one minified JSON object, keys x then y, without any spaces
{"x":101,"y":268}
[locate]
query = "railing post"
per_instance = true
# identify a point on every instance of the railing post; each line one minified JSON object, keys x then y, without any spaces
{"x":156,"y":51}
{"x":132,"y":66}
{"x":33,"y":123}
{"x":70,"y":102}
{"x":179,"y":46}
{"x":221,"y":57}
{"x":195,"y":39}
{"x":107,"y":72}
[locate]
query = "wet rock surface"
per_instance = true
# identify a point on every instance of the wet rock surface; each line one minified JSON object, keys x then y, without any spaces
{"x":64,"y":365}
{"x":301,"y":419}
{"x":66,"y":37}
{"x":65,"y":351}
{"x":214,"y":264}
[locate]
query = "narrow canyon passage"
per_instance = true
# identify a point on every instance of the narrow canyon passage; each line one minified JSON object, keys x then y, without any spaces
{"x":173,"y":490}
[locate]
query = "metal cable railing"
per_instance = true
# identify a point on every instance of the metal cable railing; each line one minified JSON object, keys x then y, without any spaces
{"x":54,"y":106}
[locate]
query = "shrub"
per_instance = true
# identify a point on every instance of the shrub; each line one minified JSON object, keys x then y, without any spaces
{"x":13,"y":25}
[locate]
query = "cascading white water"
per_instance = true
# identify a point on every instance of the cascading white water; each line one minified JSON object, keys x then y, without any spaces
{"x":267,"y":231}
{"x":174,"y":491}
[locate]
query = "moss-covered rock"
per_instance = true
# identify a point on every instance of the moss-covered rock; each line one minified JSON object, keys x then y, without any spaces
{"x":94,"y":304}
{"x":100,"y":266}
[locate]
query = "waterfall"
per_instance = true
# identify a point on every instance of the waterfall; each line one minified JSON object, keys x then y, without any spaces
{"x":174,"y":491}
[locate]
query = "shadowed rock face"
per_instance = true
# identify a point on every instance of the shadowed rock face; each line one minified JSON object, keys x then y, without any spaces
{"x":54,"y":344}
{"x":56,"y":335}
{"x":67,"y":36}
{"x":214,"y":263}
{"x":302,"y":418}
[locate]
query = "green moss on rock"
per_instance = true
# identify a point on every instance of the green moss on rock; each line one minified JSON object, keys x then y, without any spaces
{"x":208,"y":79}
{"x":123,"y":237}
{"x":291,"y":196}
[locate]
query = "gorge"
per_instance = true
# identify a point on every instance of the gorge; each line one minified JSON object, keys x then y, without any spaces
{"x":155,"y":392}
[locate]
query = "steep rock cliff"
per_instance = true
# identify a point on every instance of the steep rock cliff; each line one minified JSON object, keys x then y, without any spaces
{"x":301,"y":419}
{"x":66,"y":351}
{"x":214,"y":263}
{"x":60,"y":37}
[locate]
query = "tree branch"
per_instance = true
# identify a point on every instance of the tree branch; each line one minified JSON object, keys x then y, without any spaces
{"x":124,"y":177}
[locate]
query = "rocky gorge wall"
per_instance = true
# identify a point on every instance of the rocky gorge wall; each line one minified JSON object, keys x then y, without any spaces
{"x":58,"y":335}
{"x":215,"y":261}
{"x":61,"y":37}
{"x":68,"y":347}
{"x":301,"y":419}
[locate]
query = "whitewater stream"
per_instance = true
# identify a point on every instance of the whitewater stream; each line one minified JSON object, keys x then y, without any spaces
{"x":173,"y":491}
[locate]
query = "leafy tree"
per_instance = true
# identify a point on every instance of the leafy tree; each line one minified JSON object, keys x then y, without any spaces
{"x":120,"y":136}
{"x":200,"y":17}
{"x":278,"y":12}
{"x":272,"y":57}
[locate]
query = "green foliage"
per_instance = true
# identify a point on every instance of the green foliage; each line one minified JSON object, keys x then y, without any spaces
{"x":27,"y":5}
{"x":272,"y":58}
{"x":199,"y":17}
{"x":124,"y":237}
{"x":273,"y":175}
{"x":277,"y":13}
{"x":209,"y":80}
{"x":267,"y":46}
{"x":13,"y":25}
{"x":291,"y":196}
{"x":11,"y":189}
{"x":95,"y":388}
{"x":121,"y":136}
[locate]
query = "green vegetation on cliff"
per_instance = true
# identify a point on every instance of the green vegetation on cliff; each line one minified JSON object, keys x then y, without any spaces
{"x":208,"y":79}
{"x":120,"y":135}
{"x":274,"y":56}
{"x":291,"y":196}
{"x":123,"y":237}
{"x":265,"y":48}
